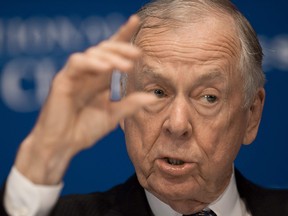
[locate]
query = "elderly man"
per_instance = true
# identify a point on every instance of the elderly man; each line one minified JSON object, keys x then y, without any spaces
{"x":192,"y":96}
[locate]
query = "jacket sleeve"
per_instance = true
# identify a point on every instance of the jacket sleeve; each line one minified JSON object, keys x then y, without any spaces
{"x":2,"y":208}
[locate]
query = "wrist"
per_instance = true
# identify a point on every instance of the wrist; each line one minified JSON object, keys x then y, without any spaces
{"x":41,"y":162}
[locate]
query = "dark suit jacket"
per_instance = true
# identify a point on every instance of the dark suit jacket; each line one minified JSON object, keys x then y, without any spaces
{"x":129,"y":199}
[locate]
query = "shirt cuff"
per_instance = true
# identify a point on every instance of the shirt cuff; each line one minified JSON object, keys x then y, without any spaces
{"x":24,"y":198}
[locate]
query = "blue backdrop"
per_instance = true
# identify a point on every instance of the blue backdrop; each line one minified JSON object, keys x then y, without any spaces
{"x":36,"y":36}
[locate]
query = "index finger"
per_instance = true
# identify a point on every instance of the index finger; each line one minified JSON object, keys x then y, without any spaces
{"x":126,"y":32}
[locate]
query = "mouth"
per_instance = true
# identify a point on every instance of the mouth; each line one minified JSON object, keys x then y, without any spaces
{"x":174,"y":167}
{"x":174,"y":162}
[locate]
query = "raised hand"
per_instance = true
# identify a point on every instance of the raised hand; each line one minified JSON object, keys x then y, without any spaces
{"x":78,"y":111}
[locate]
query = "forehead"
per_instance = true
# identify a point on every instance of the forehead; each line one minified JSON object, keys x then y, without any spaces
{"x":209,"y":39}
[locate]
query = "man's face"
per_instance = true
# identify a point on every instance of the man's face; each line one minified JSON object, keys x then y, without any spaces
{"x":183,"y":147}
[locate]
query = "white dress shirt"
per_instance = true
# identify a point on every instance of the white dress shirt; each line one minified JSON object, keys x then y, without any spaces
{"x":23,"y":198}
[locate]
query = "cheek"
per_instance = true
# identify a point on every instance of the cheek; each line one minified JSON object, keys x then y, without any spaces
{"x":133,"y":137}
{"x":141,"y":132}
{"x":221,"y":139}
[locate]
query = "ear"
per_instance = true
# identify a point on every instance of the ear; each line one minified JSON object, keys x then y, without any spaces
{"x":254,"y":117}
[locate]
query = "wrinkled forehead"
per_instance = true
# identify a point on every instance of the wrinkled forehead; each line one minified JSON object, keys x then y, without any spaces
{"x":209,"y":37}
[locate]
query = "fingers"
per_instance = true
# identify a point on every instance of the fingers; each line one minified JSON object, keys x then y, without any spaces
{"x":87,"y":73}
{"x":111,"y":54}
{"x":131,"y":104}
{"x":80,"y":62}
{"x":120,"y":48}
{"x":104,"y":58}
{"x":127,"y":31}
{"x":119,"y":55}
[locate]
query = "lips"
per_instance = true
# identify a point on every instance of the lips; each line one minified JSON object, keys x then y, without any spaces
{"x":173,"y":167}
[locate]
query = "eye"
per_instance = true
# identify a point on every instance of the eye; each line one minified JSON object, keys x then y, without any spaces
{"x":159,"y":93}
{"x":210,"y":98}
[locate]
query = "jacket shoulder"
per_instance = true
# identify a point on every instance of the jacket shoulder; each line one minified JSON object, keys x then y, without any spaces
{"x":125,"y":199}
{"x":98,"y":203}
{"x":260,"y":200}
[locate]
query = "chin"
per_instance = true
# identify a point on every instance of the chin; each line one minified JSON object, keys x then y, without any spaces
{"x":173,"y":188}
{"x":182,"y":195}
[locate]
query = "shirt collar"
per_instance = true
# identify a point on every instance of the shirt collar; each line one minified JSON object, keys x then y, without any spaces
{"x":226,"y":205}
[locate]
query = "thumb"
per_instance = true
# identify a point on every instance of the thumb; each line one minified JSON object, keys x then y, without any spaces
{"x":131,"y":104}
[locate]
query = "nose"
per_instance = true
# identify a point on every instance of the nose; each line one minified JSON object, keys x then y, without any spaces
{"x":177,"y":123}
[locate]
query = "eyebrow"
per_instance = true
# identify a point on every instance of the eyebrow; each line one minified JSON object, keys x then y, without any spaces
{"x":209,"y":76}
{"x":152,"y":73}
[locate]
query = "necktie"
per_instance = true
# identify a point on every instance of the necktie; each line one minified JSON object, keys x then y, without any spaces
{"x":203,"y":213}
